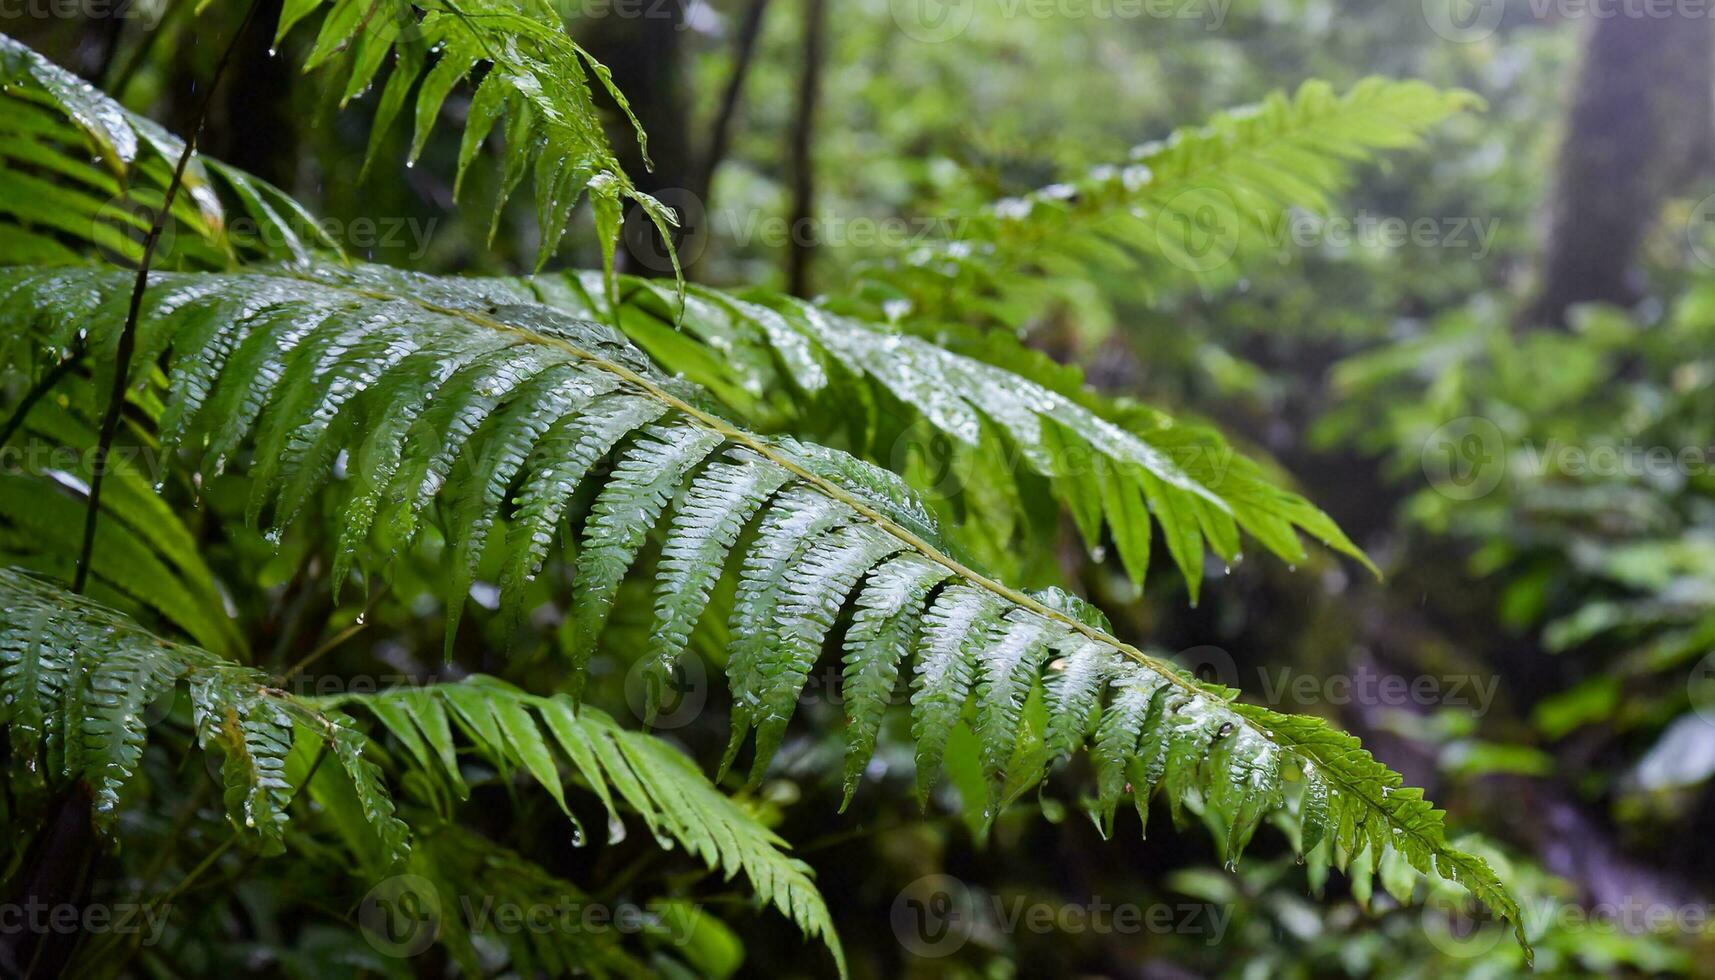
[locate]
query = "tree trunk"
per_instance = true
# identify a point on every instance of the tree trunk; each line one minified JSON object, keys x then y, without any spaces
{"x":646,"y":55}
{"x":801,"y":244}
{"x":1639,"y":124}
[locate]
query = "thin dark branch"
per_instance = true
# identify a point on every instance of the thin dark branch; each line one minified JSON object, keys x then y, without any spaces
{"x":744,"y":51}
{"x":128,"y":336}
{"x":802,"y":238}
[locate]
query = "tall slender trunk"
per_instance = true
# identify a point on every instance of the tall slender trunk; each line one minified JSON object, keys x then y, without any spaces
{"x":647,"y":57}
{"x":801,"y":245}
{"x":1639,"y":123}
{"x":720,"y":135}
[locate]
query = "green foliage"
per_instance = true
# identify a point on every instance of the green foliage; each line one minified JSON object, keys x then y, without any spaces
{"x":46,"y":112}
{"x":405,"y":370}
{"x":627,"y":423}
{"x":1195,"y":205}
{"x":535,"y":89}
{"x":78,"y":683}
{"x":654,"y":780}
{"x":460,"y":865}
{"x":853,"y":379}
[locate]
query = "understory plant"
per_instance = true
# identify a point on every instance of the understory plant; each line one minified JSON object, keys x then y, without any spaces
{"x":621,"y":474}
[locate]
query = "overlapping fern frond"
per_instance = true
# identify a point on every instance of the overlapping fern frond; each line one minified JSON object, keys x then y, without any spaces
{"x":1189,"y":208}
{"x":436,"y":388}
{"x":535,"y":87}
{"x":654,"y":780}
{"x":59,"y":204}
{"x":884,"y":392}
{"x":79,"y":686}
{"x":763,"y":354}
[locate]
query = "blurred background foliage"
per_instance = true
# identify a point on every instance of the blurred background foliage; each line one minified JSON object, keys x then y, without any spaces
{"x":1584,"y":592}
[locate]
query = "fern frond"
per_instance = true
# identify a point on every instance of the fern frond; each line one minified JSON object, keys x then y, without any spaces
{"x":76,"y":678}
{"x":536,"y":86}
{"x":675,"y":801}
{"x":58,"y":207}
{"x":1192,"y":207}
{"x":833,"y":520}
{"x":77,"y":681}
{"x":1192,"y":483}
{"x":1124,"y":465}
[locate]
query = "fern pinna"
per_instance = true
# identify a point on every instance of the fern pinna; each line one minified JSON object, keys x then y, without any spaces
{"x":410,"y":375}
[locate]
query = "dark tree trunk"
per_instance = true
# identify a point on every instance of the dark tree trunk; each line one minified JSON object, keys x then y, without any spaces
{"x":744,"y":49}
{"x":802,"y":242}
{"x":251,"y":125}
{"x":56,"y":876}
{"x":646,"y":55}
{"x":1640,"y":122}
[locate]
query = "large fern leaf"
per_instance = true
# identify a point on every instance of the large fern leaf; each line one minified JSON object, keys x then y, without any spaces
{"x":77,"y":682}
{"x":1188,"y":208}
{"x":1096,"y":461}
{"x":288,"y":358}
